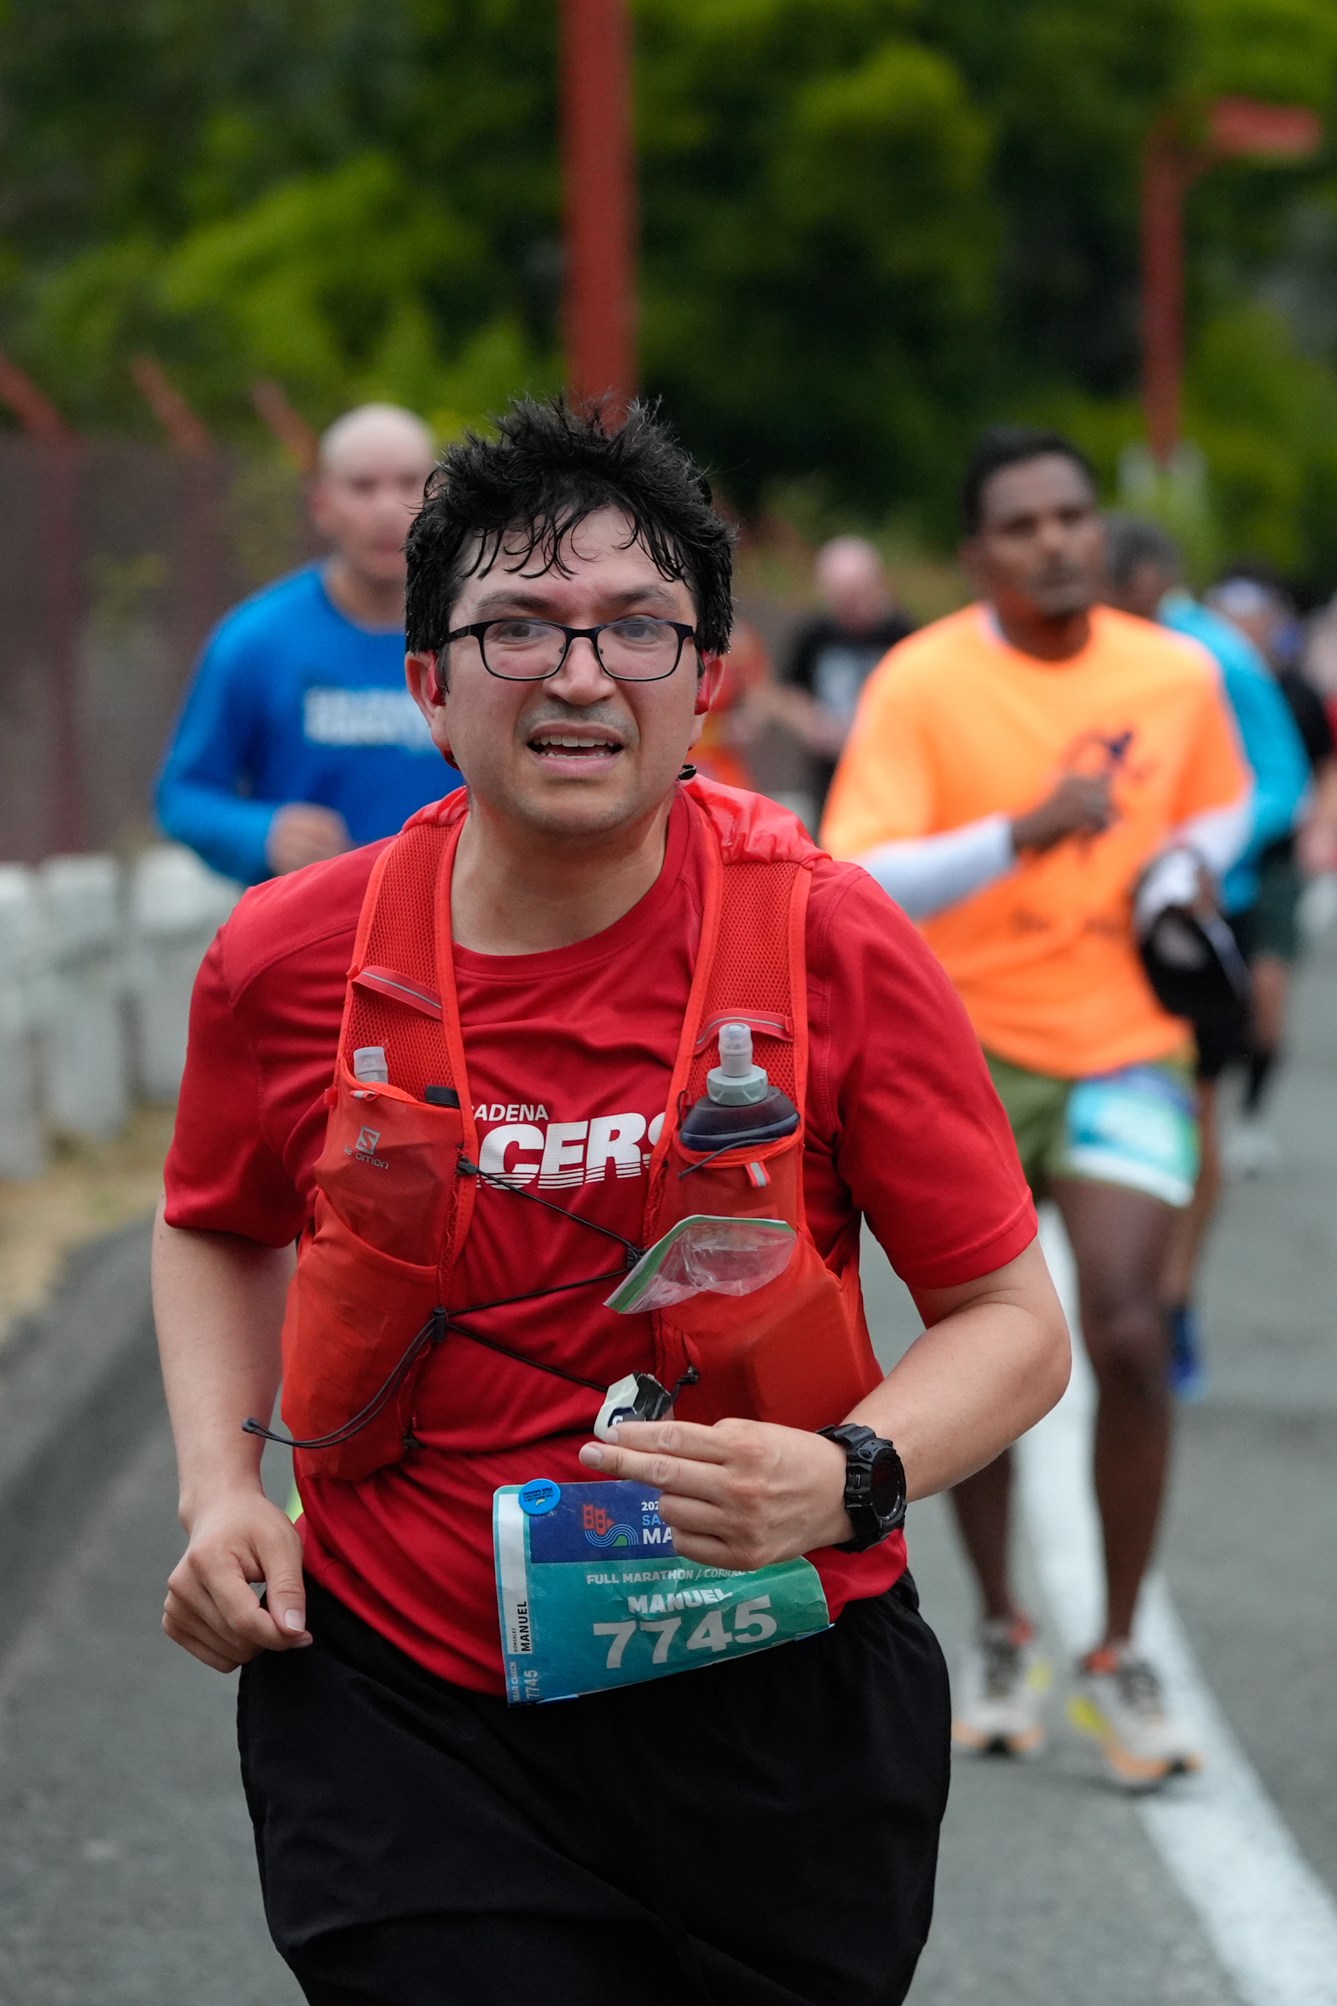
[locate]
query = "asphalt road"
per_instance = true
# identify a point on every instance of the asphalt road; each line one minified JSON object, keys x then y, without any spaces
{"x":126,"y":1874}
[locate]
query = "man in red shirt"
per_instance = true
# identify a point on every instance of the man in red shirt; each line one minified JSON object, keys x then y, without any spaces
{"x":767,"y":1834}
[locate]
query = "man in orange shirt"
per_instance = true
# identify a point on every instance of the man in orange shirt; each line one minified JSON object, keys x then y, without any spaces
{"x":1012,"y":772}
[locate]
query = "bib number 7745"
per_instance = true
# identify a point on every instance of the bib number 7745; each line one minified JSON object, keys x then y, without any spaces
{"x":591,"y":1594}
{"x":751,"y":1624}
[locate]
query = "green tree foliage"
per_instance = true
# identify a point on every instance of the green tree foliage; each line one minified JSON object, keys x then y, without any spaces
{"x":868,"y":226}
{"x":818,"y":212}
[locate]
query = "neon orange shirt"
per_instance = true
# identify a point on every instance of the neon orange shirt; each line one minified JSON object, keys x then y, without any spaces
{"x":955,"y":725}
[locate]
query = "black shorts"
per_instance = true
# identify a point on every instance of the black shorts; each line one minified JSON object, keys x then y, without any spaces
{"x":761,"y":1833}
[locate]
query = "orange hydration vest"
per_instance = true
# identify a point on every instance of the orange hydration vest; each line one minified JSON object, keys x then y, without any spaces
{"x":397,"y":1178}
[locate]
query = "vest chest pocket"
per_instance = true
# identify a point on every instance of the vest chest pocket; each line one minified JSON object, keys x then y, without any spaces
{"x":795,"y":1351}
{"x":389,"y":1169}
{"x":352,"y":1319}
{"x":792,"y":1353}
{"x":357,"y":1330}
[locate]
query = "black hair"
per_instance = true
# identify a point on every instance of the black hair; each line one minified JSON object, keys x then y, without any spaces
{"x":1009,"y":446}
{"x":1131,"y":542}
{"x":548,"y":468}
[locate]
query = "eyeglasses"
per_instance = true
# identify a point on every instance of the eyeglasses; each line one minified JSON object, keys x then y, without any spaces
{"x":635,"y":649}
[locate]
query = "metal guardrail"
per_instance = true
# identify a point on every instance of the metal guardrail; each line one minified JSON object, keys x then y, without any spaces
{"x":97,"y":961}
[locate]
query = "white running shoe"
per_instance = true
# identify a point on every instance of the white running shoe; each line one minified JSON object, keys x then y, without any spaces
{"x":1000,"y":1691}
{"x":1122,"y":1705}
{"x":1250,"y":1150}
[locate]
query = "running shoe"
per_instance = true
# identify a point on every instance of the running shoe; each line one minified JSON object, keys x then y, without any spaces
{"x":1122,"y":1705}
{"x":1250,"y":1149}
{"x":1001,"y":1690}
{"x":1188,"y":1371}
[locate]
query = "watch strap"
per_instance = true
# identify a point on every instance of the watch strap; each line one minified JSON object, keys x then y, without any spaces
{"x":866,"y":1450}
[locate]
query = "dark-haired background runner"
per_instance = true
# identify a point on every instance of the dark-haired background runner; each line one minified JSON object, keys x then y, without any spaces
{"x":1012,"y":772}
{"x":1146,"y":577}
{"x":1256,"y":602}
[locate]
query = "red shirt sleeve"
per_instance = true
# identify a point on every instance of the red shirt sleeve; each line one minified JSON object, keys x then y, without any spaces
{"x":222,"y":1173}
{"x":921,"y":1141}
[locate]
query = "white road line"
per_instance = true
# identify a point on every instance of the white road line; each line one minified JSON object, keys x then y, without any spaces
{"x":1267,"y":1915}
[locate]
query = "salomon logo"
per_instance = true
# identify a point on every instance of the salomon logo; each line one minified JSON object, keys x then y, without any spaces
{"x":364,"y":1149}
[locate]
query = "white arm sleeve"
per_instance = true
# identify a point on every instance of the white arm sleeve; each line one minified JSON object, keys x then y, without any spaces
{"x":924,"y":874}
{"x":1219,"y":835}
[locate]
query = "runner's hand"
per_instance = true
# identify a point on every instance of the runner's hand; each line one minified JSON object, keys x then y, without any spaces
{"x":211,"y":1608}
{"x":302,"y":834}
{"x":740,"y":1494}
{"x":1081,"y":805}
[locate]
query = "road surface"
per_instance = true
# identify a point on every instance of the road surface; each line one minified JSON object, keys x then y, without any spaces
{"x":126,"y":1875}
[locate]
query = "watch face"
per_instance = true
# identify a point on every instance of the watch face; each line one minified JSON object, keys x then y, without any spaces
{"x":887,"y":1489}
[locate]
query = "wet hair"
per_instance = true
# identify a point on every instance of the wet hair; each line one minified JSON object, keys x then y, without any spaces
{"x":1131,"y":542}
{"x":1011,"y":446}
{"x":547,"y":469}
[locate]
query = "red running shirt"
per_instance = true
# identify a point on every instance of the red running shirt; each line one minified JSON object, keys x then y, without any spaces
{"x":570,"y":1055}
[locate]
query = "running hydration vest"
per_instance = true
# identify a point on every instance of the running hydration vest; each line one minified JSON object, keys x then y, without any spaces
{"x":398,"y":1177}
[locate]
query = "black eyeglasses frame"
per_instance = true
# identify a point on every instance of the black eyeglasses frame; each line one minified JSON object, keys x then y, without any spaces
{"x":478,"y":628}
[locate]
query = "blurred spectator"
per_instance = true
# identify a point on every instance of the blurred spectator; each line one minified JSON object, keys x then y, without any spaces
{"x":1320,"y":659}
{"x":1145,"y":576}
{"x":1258,"y":603}
{"x":299,"y":738}
{"x":723,"y":751}
{"x":834,"y":653}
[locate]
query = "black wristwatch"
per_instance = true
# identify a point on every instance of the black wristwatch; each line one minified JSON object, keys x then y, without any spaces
{"x":874,"y":1485}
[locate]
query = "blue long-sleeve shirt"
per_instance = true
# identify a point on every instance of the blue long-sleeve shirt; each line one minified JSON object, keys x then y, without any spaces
{"x":292,"y":701}
{"x":1272,"y":742}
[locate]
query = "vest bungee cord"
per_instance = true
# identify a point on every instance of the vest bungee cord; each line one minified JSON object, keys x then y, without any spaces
{"x":470,"y":1169}
{"x":442,"y":1321}
{"x":366,"y":1414}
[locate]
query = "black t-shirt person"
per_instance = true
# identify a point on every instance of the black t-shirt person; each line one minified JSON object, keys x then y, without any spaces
{"x":833,"y":663}
{"x":1307,"y":708}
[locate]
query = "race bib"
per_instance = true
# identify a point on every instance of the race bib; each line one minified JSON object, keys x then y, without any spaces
{"x":592,"y":1595}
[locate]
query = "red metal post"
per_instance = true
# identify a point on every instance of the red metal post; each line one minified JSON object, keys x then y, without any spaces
{"x":68,"y":797}
{"x":288,"y":426}
{"x":61,"y":465}
{"x":184,"y":427}
{"x":1235,"y":128}
{"x":1165,"y":177}
{"x":198,"y":600}
{"x":31,"y":406}
{"x":599,"y":202}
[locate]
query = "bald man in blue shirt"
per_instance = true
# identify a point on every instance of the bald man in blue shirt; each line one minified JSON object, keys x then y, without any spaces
{"x":298,"y":738}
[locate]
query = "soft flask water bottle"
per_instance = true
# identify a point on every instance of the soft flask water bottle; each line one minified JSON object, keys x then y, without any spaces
{"x":772,"y":1331}
{"x":740,"y":1109}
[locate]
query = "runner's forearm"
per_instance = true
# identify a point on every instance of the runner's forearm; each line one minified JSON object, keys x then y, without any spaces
{"x":978,"y":1377}
{"x":743,"y":1494}
{"x":218,"y":1304}
{"x":926,"y":873}
{"x":1218,"y":835}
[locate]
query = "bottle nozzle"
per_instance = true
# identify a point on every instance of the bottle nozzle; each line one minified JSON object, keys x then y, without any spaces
{"x":736,"y":1081}
{"x":735,"y":1051}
